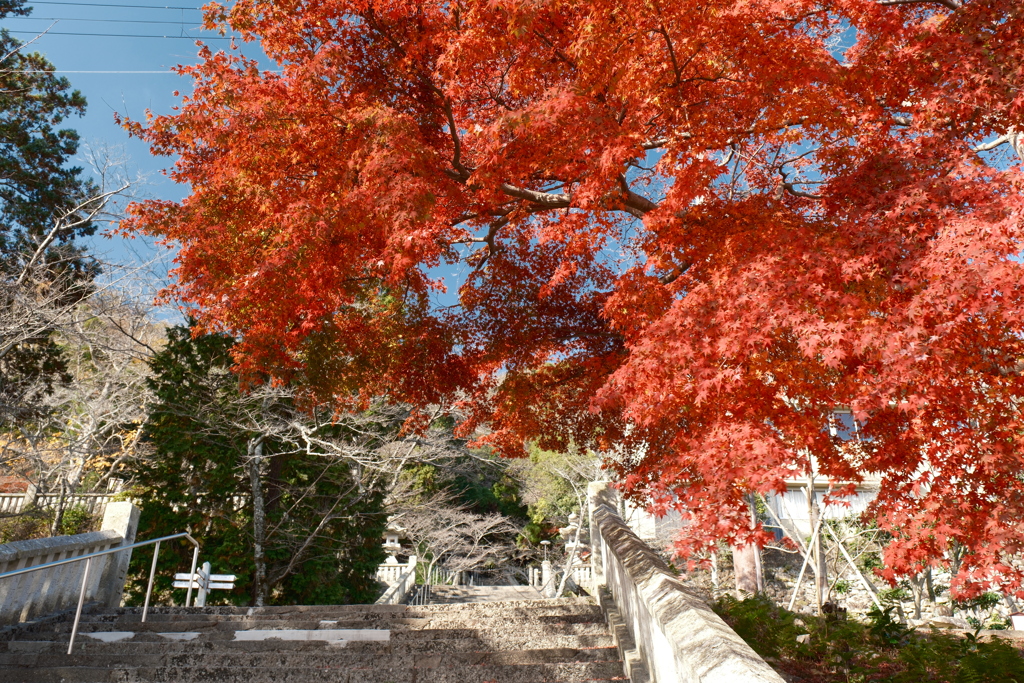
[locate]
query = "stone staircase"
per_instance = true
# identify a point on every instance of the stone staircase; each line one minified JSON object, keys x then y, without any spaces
{"x":455,"y":595}
{"x":496,"y":641}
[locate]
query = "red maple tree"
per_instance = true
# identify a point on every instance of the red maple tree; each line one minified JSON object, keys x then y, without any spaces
{"x":688,"y":230}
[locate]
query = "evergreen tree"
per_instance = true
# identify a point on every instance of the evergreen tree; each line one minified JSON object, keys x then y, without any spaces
{"x":36,"y":182}
{"x":41,"y":215}
{"x":323,"y":527}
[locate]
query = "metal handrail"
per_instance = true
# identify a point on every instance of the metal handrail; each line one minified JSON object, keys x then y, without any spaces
{"x":111,"y":551}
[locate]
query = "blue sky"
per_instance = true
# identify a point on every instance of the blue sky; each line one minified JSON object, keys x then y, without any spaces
{"x":130,"y":47}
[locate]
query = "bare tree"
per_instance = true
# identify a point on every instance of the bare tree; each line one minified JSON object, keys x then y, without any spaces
{"x":89,"y":424}
{"x":448,"y":535}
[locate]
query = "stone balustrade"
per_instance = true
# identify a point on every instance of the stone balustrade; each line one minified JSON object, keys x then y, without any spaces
{"x":671,"y":636}
{"x":15,"y":503}
{"x":29,"y":596}
{"x":399,"y":589}
{"x":390,"y":573}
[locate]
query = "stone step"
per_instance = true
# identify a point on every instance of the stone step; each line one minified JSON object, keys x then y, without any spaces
{"x":382,"y":673}
{"x":350,"y":618}
{"x":301,"y":609}
{"x":394,"y":623}
{"x":475,"y":594}
{"x":321,"y":658}
{"x":441,"y":641}
{"x":486,"y":629}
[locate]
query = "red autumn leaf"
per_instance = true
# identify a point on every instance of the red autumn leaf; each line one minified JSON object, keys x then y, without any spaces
{"x":691,"y":230}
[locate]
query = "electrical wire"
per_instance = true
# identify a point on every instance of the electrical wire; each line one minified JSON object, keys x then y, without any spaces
{"x":108,"y":21}
{"x":116,"y":35}
{"x":103,"y":4}
{"x":97,"y":72}
{"x":166,"y":71}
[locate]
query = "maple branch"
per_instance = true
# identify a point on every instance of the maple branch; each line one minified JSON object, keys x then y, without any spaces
{"x":636,"y":204}
{"x":988,"y":146}
{"x":656,"y":143}
{"x":948,"y":4}
{"x":671,"y":51}
{"x":557,"y":51}
{"x":548,"y":200}
{"x":789,"y":187}
{"x":1012,"y":138}
{"x":464,"y":173}
{"x":678,"y":271}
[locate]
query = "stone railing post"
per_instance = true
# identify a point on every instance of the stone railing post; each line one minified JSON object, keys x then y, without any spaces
{"x":598,"y":493}
{"x":122,"y":517}
{"x":547,"y":579}
{"x":30,"y":498}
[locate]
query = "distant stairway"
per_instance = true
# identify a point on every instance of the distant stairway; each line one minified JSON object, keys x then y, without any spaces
{"x":523,"y":641}
{"x":456,"y":595}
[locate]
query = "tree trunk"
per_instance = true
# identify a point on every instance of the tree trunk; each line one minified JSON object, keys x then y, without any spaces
{"x":746,"y":561}
{"x":745,"y":565}
{"x":917,"y":587}
{"x":714,"y":569}
{"x":259,"y":521}
{"x":817,"y":549}
{"x":58,"y":512}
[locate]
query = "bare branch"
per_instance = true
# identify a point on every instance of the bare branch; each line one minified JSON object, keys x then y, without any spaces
{"x":70,"y":220}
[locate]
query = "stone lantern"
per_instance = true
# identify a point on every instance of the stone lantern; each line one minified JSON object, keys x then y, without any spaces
{"x":392,"y":542}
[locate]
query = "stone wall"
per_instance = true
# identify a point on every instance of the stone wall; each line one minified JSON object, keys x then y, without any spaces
{"x":677,"y":636}
{"x":36,"y":594}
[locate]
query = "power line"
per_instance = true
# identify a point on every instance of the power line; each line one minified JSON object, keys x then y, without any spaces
{"x":107,"y":21}
{"x":116,"y":35}
{"x":173,"y":73}
{"x":103,"y":4}
{"x":98,"y":72}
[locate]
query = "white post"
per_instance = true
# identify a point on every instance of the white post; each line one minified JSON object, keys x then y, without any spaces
{"x":204,"y":584}
{"x":191,"y":575}
{"x":81,"y":601}
{"x":149,"y":587}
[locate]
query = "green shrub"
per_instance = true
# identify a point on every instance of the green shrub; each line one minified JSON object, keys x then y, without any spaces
{"x":770,"y":630}
{"x":885,"y":630}
{"x":880,"y":649}
{"x":76,"y":520}
{"x":32,"y":523}
{"x":946,"y":657}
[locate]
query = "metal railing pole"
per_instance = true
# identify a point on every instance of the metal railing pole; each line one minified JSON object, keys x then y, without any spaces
{"x":81,"y":601}
{"x":149,"y":588}
{"x":192,"y":575}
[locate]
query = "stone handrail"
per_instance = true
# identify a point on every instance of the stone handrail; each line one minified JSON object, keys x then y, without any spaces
{"x":678,"y":637}
{"x":399,"y":590}
{"x":45,"y":591}
{"x":29,"y":596}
